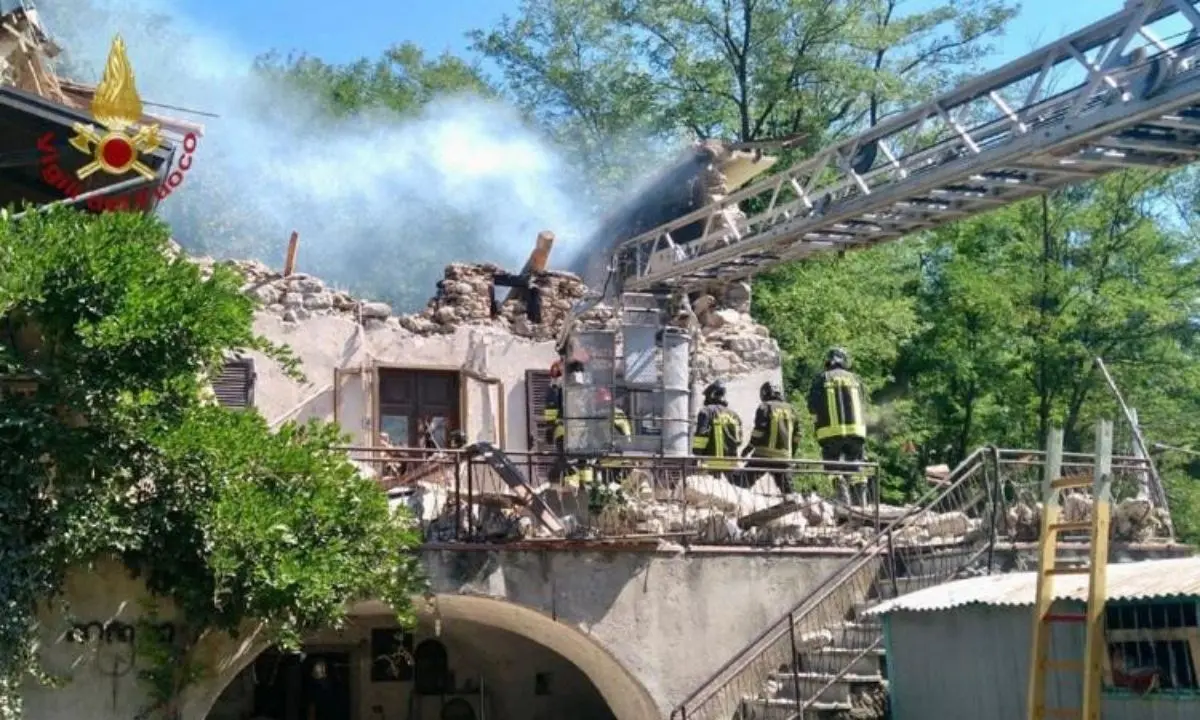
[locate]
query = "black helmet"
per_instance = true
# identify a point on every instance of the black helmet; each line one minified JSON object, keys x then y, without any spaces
{"x":715,"y":392}
{"x":837,"y":358}
{"x":770,"y":391}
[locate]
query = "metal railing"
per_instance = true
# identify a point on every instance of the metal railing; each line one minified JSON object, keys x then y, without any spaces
{"x":458,"y":497}
{"x":814,"y":656}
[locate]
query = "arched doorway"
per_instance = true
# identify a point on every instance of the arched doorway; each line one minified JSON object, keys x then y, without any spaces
{"x":469,"y":654}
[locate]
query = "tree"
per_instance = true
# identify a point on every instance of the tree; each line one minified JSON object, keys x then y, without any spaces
{"x":117,"y":454}
{"x":738,"y":69}
{"x":403,"y":80}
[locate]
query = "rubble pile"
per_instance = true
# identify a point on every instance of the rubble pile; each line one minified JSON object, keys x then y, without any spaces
{"x":1133,"y":519}
{"x":702,"y":509}
{"x":730,"y":341}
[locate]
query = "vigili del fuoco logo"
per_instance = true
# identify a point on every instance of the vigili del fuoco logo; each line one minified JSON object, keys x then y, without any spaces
{"x":118,"y":146}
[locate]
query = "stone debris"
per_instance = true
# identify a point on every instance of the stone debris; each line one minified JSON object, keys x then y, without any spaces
{"x":702,"y":509}
{"x":1133,"y":519}
{"x":729,"y":341}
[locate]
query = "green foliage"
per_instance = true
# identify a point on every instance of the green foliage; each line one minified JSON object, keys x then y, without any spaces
{"x":598,"y":75}
{"x":117,"y":453}
{"x":986,"y":331}
{"x":402,"y":81}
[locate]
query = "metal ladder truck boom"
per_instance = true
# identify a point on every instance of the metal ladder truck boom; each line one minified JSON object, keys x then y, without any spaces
{"x":998,"y":139}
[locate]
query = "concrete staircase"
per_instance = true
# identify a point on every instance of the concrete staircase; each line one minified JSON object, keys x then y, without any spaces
{"x":840,"y":672}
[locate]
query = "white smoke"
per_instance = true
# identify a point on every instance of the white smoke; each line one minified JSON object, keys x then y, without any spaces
{"x":381,"y":203}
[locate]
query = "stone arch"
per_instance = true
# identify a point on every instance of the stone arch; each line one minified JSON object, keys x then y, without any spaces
{"x":626,"y":697}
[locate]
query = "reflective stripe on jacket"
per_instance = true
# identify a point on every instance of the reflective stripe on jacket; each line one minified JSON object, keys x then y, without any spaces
{"x":718,"y":435}
{"x":775,"y":430}
{"x":836,"y":402}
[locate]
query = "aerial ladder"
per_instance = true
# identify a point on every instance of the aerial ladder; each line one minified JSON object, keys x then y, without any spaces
{"x":1000,"y":138}
{"x":1044,"y":662}
{"x":1132,"y":101}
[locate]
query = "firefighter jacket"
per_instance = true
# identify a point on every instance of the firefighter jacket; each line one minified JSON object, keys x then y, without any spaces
{"x":718,"y":435}
{"x":836,"y":403}
{"x":776,"y":431}
{"x":552,"y":412}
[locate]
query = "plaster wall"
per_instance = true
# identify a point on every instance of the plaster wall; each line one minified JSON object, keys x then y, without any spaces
{"x":650,"y":610}
{"x":493,"y":411}
{"x":99,"y":675}
{"x":629,"y":621}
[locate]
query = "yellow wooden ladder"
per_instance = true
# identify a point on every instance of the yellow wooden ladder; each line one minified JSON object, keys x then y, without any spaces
{"x":1050,"y":566}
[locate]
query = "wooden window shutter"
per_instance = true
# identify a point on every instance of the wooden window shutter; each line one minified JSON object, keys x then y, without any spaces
{"x":234,"y":387}
{"x":537,"y":388}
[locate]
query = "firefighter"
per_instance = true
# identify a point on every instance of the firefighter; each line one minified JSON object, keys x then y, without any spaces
{"x":775,"y":433}
{"x":610,"y":465}
{"x":836,"y":403}
{"x":718,"y":430}
{"x":564,"y":470}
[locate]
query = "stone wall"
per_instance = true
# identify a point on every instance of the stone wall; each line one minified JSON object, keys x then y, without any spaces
{"x":729,"y":341}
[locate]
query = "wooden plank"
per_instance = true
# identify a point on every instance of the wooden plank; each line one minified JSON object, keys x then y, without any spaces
{"x":508,"y":472}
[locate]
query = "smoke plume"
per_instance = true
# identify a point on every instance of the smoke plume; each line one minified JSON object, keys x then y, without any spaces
{"x":381,"y":203}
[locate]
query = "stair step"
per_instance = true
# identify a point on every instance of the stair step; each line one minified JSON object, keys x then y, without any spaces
{"x":856,"y":635}
{"x":908,"y":584}
{"x":810,"y":684}
{"x":776,"y":709}
{"x":835,"y":659}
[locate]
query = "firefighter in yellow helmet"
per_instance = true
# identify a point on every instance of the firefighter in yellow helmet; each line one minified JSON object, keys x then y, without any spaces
{"x":775,"y":434}
{"x":836,"y":402}
{"x":718,"y":430}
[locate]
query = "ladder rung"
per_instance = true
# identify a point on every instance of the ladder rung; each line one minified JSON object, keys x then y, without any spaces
{"x":1065,"y":665}
{"x":1071,"y":526}
{"x":1079,"y":570}
{"x":1064,"y":483}
{"x":1064,"y":617}
{"x":1063,"y":712}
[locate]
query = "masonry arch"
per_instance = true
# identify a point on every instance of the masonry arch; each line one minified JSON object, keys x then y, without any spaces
{"x":625,"y":696}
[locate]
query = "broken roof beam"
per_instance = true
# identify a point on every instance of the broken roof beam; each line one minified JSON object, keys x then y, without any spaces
{"x":538,"y":259}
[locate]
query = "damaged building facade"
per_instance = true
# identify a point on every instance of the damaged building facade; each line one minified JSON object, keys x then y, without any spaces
{"x":546,"y":602}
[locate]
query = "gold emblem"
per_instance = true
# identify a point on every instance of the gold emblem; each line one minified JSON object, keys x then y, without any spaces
{"x":116,"y":150}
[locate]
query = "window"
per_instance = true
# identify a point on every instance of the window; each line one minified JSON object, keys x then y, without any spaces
{"x":418,"y":408}
{"x":391,"y":655}
{"x":234,"y":386}
{"x":1152,"y":647}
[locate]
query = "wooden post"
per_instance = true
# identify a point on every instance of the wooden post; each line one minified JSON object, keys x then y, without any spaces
{"x":537,"y":259}
{"x":289,"y":264}
{"x":1095,"y":646}
{"x":1052,"y":467}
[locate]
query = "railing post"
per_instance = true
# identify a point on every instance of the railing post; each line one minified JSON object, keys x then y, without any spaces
{"x":996,"y":490}
{"x":458,"y":495}
{"x":795,"y":664}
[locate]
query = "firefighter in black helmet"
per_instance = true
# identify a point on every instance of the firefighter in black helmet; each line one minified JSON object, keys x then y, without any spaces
{"x":718,"y":430}
{"x":775,"y":434}
{"x":837,"y":404}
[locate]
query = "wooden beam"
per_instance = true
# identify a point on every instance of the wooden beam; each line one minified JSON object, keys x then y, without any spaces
{"x":289,"y":265}
{"x":537,"y":259}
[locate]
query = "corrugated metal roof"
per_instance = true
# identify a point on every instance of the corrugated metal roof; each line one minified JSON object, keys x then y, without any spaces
{"x":1177,"y":577}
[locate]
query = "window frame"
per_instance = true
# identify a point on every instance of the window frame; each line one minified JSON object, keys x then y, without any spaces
{"x":1189,"y":635}
{"x":458,"y":407}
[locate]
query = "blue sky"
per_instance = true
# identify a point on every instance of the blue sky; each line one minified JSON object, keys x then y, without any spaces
{"x":350,"y":29}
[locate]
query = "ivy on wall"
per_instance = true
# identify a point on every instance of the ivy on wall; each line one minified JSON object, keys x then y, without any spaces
{"x":109,"y":449}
